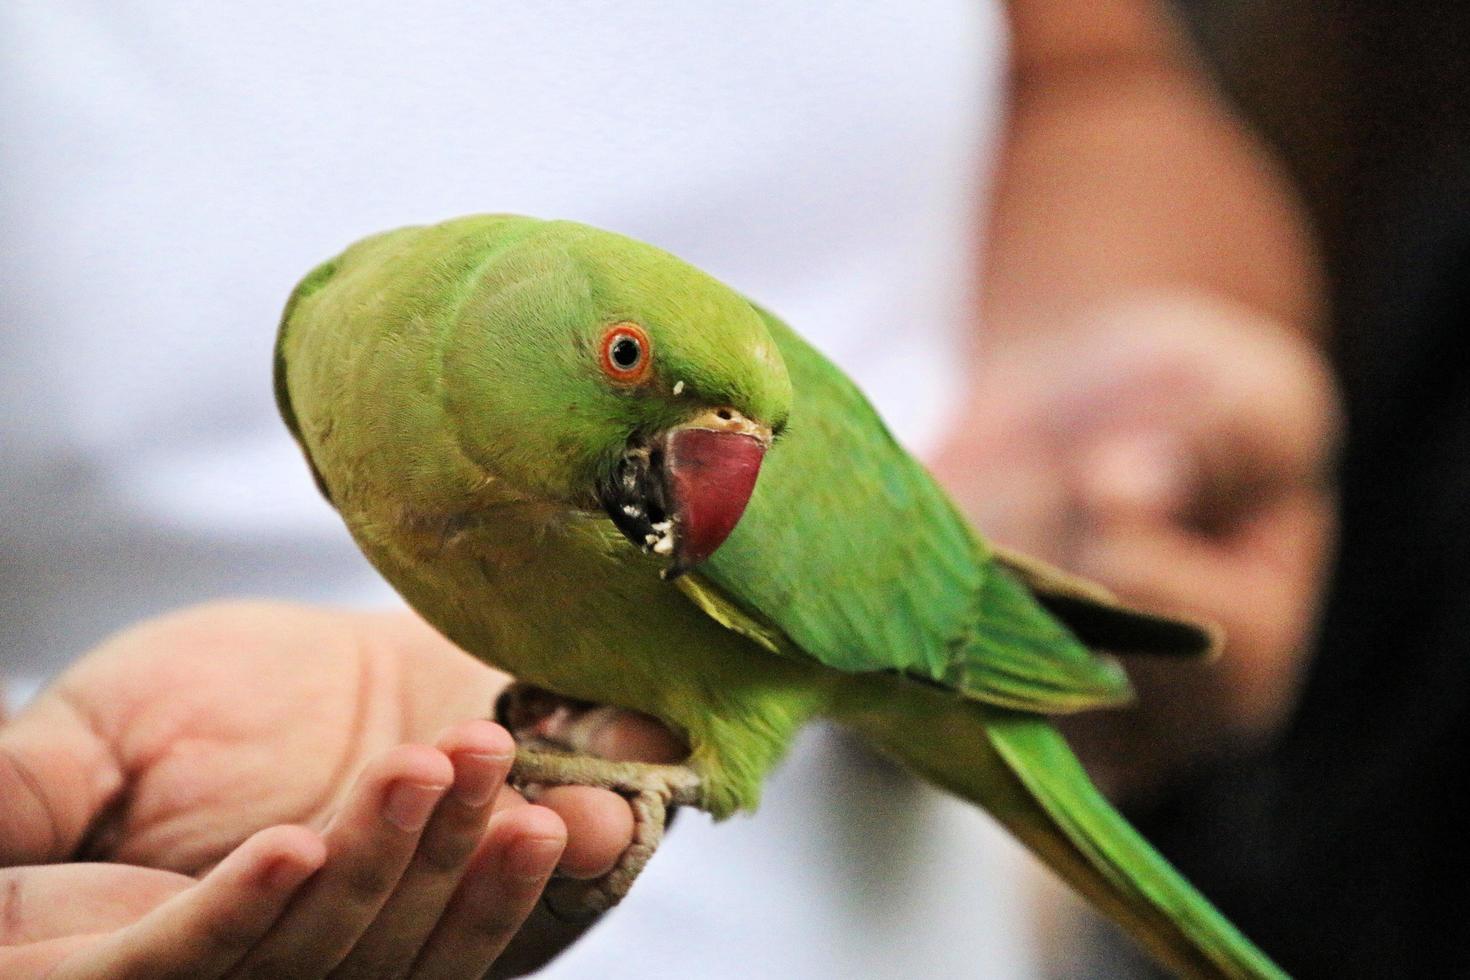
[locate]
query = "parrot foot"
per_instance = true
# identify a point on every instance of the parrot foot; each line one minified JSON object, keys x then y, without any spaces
{"x":650,"y":789}
{"x":552,"y":733}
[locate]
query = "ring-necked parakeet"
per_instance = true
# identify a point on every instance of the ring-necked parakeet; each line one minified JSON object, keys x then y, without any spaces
{"x":598,"y":468}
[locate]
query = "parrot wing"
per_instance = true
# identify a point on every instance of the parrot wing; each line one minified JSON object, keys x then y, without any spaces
{"x":850,"y":553}
{"x":1100,"y":620}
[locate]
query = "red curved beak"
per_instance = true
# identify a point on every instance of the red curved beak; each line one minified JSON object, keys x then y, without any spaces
{"x":709,"y":475}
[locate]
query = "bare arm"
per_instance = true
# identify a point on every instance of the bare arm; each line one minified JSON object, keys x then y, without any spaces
{"x":1149,"y":406}
{"x":1125,"y":172}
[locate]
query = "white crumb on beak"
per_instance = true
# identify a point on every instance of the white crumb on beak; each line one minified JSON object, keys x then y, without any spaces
{"x":678,"y":387}
{"x":660,"y":540}
{"x":631,"y":511}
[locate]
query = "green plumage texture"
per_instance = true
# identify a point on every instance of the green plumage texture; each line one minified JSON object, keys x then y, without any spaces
{"x":905,"y":584}
{"x":444,"y":384}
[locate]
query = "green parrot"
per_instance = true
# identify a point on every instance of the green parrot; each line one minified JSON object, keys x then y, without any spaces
{"x":596,"y":467}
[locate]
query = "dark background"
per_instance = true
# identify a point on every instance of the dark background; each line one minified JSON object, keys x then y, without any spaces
{"x":1341,"y":850}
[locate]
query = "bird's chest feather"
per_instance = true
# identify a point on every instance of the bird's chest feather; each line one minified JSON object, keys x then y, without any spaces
{"x":562,"y":602}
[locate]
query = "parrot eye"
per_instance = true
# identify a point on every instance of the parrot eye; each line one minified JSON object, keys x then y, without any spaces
{"x":626,"y":352}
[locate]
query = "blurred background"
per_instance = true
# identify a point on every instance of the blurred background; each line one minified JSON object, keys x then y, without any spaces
{"x":167,"y":173}
{"x":1335,"y":846}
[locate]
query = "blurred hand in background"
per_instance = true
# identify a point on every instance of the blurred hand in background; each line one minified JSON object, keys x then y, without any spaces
{"x":1176,"y":449}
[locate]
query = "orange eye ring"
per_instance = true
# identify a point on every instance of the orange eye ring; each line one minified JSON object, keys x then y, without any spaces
{"x":626,"y":353}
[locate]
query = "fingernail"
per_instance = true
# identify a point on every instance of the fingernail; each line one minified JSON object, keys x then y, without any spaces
{"x":408,"y":805}
{"x":532,"y":860}
{"x":479,"y":784}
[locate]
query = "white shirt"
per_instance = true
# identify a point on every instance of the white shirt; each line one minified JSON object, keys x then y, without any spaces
{"x":167,"y":172}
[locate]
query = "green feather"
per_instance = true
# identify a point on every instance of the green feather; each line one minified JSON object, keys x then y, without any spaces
{"x":852,"y":551}
{"x":1020,"y":769}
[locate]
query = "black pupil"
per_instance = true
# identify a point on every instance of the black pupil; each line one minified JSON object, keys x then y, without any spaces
{"x":625,"y":352}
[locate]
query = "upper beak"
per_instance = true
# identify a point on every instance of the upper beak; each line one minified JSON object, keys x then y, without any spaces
{"x":683,"y":495}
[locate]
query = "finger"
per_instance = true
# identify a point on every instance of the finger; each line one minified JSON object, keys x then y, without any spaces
{"x":579,"y":726}
{"x":368,"y":846}
{"x":1191,"y":711}
{"x":44,"y":902}
{"x":1283,"y":418}
{"x":631,"y":736}
{"x":505,"y":879}
{"x":1193,"y":408}
{"x":599,"y":827}
{"x":205,"y":930}
{"x":42,"y":960}
{"x":1261,"y":584}
{"x":541,"y":937}
{"x":1262,"y":391}
{"x":1142,"y":475}
{"x":56,"y":775}
{"x":600,"y":823}
{"x":481,"y":752}
{"x":1259,"y":573}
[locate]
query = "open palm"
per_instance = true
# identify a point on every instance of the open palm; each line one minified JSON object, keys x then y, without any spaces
{"x":171,"y":745}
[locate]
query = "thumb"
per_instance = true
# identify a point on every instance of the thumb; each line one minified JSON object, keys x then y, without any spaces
{"x":56,"y":775}
{"x":51,"y":901}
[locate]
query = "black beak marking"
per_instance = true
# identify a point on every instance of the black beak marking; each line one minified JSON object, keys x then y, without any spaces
{"x":636,"y":499}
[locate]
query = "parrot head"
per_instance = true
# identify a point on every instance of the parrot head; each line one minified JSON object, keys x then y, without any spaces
{"x":590,"y":370}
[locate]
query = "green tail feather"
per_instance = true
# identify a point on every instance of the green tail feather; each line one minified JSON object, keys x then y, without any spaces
{"x":1019,"y":768}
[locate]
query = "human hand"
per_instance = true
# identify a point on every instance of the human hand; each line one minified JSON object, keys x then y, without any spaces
{"x":170,"y":745}
{"x":1176,"y":450}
